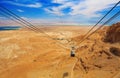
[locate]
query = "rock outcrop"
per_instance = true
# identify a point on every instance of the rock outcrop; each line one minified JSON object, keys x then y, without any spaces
{"x":113,"y":33}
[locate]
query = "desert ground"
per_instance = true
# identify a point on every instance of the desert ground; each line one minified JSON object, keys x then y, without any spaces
{"x":28,"y":54}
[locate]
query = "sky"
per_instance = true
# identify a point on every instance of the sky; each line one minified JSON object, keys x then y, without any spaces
{"x":65,"y":12}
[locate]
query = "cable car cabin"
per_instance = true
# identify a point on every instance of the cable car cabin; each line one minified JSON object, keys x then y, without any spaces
{"x":72,"y":54}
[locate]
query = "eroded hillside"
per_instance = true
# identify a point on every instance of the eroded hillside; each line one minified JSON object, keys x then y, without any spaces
{"x":113,"y":33}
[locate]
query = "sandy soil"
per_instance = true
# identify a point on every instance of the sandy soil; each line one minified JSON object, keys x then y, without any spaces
{"x":28,"y":54}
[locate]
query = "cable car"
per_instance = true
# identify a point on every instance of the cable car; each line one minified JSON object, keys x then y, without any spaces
{"x":72,"y":52}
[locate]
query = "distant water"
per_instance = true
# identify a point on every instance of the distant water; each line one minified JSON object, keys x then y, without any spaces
{"x":3,"y":28}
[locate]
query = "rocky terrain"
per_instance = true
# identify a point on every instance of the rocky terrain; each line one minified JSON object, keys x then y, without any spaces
{"x":113,"y":33}
{"x":28,"y":54}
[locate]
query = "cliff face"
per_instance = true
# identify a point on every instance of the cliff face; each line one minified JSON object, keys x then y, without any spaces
{"x":113,"y":33}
